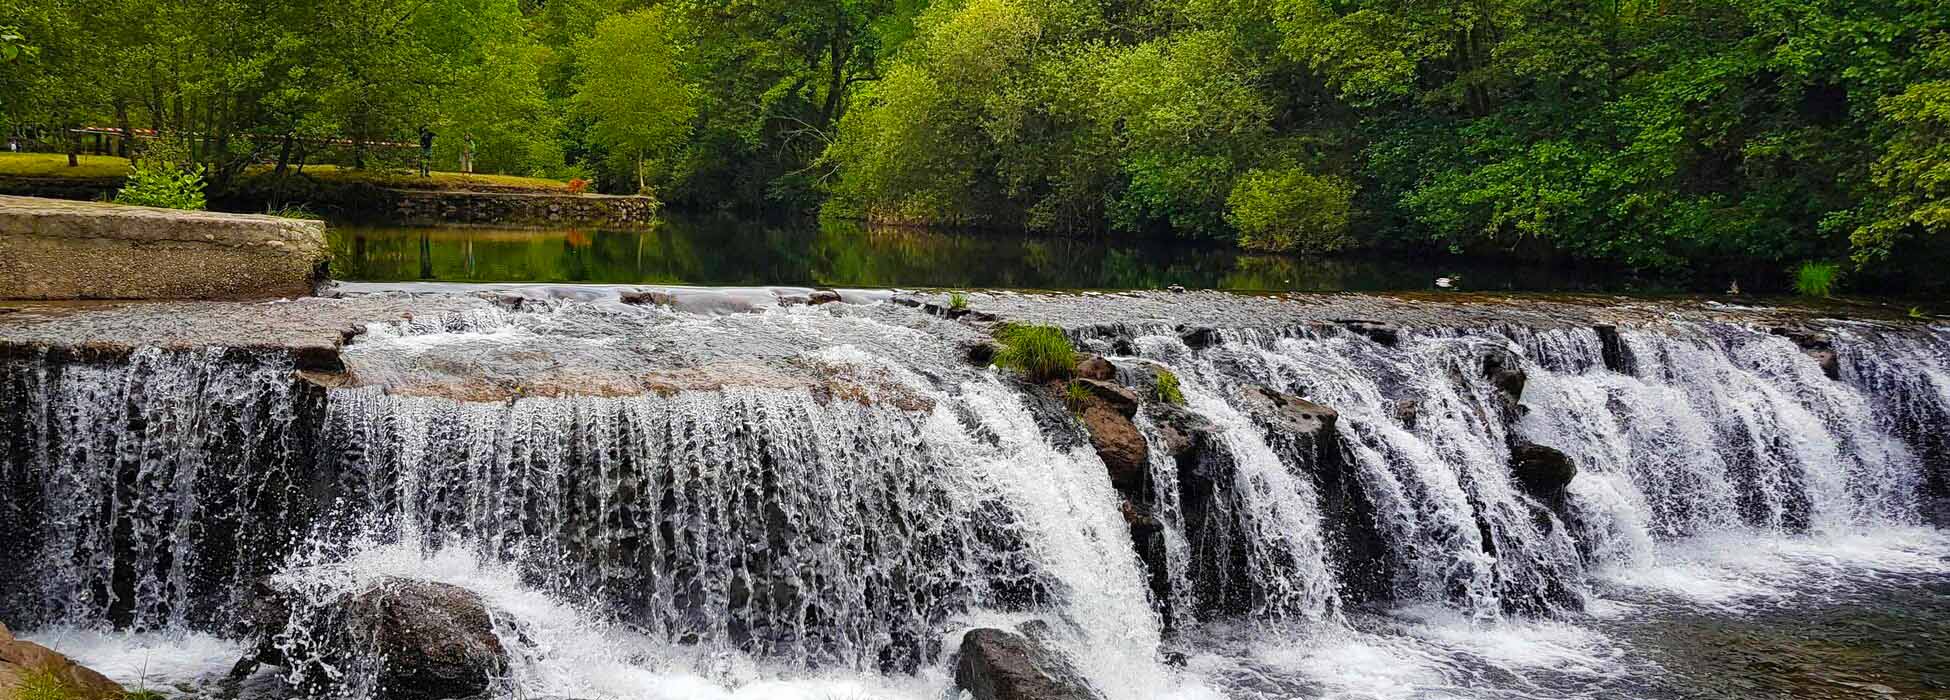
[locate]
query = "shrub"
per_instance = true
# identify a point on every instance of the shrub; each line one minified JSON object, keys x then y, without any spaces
{"x":1290,"y":211}
{"x":578,"y":186}
{"x":163,"y":185}
{"x":957,"y":301}
{"x":1167,"y":389}
{"x":1816,"y":279}
{"x":163,"y":175}
{"x":1040,"y":353}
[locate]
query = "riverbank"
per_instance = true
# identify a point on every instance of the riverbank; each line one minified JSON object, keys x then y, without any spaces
{"x":342,"y":194}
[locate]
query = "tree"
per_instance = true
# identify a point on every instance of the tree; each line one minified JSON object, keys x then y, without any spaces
{"x":629,"y":88}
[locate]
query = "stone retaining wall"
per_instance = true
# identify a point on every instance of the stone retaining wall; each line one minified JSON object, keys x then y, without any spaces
{"x":59,"y":249}
{"x":535,"y":209}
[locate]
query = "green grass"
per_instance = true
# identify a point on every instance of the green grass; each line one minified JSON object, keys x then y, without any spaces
{"x":56,"y":165}
{"x":1040,"y":353}
{"x":1076,"y":396}
{"x":1816,"y":279}
{"x":1167,"y":389}
{"x":295,"y":211}
{"x":957,"y":301}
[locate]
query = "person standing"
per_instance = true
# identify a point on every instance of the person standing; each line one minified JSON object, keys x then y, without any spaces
{"x":426,"y":152}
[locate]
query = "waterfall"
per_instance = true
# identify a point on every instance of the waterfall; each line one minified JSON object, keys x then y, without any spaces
{"x":663,"y":503}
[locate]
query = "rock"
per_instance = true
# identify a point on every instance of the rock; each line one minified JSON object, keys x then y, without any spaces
{"x":21,"y":660}
{"x":414,"y":640}
{"x":1617,"y":355}
{"x":998,"y":665}
{"x":1817,"y":347}
{"x":1117,"y":396}
{"x":824,"y":296}
{"x":1126,"y":456}
{"x":58,"y":249}
{"x":1407,"y":412}
{"x":1286,"y":413}
{"x":1505,"y":371}
{"x":1542,"y":471}
{"x":1176,"y":289}
{"x":982,"y":354}
{"x":1096,"y":367}
{"x":1382,"y":333}
{"x":1197,"y":338}
{"x":1182,"y":431}
{"x":649,"y":297}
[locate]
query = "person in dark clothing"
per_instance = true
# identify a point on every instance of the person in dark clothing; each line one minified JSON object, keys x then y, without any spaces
{"x":426,"y":152}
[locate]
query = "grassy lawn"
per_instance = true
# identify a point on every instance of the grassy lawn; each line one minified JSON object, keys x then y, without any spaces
{"x":56,"y":165}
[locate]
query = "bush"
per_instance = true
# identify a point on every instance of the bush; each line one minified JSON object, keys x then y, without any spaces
{"x":578,"y":186}
{"x":1040,"y":353}
{"x":166,"y":186}
{"x":163,"y":176}
{"x":1816,"y":279}
{"x":957,"y":301}
{"x":1167,"y":389}
{"x":1290,"y":211}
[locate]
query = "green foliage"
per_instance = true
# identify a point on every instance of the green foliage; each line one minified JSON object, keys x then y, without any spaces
{"x":1039,"y":353}
{"x":1076,"y":396}
{"x":1916,"y":312}
{"x":163,"y":177}
{"x":1167,"y":389}
{"x":13,"y":45}
{"x":1289,"y":210}
{"x":630,"y":91}
{"x":43,"y":683}
{"x":295,"y":211}
{"x":1815,"y":279}
{"x":957,"y":301}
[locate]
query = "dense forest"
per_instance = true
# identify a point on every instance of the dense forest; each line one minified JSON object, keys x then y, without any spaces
{"x":1661,"y":134}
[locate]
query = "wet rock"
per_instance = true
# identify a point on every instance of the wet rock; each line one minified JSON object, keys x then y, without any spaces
{"x":982,"y":353}
{"x":649,"y":297}
{"x":1182,"y":431}
{"x":1617,"y":355}
{"x":1285,"y":413}
{"x":1095,"y":367}
{"x":1407,"y":412}
{"x":1118,"y":397}
{"x":824,"y":296}
{"x":1199,"y":338}
{"x":1817,"y":347}
{"x":1504,"y":370}
{"x":998,"y":665}
{"x":1382,"y":333}
{"x":1544,"y":472}
{"x":412,"y":640}
{"x":21,"y":660}
{"x":1126,"y":456}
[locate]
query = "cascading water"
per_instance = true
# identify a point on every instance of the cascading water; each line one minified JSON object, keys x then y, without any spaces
{"x":815,"y":501}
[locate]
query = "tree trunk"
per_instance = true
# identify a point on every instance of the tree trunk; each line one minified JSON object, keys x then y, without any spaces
{"x":128,"y":129}
{"x":74,"y":147}
{"x":284,"y":156}
{"x":639,"y":171}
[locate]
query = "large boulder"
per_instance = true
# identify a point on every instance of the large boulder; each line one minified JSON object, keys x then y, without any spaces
{"x":1095,"y":367}
{"x":31,"y":670}
{"x":1286,"y":415}
{"x":1117,"y":441}
{"x":997,"y":665}
{"x":1504,"y":370}
{"x":1817,"y":346}
{"x":1544,"y":472}
{"x":406,"y":639}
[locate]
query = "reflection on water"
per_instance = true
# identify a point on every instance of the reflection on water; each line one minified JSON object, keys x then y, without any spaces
{"x":725,"y":251}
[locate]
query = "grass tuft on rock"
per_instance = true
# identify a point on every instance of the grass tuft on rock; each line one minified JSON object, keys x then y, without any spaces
{"x":957,"y":301}
{"x":1167,"y":389}
{"x":1038,"y":353}
{"x":1076,"y":396}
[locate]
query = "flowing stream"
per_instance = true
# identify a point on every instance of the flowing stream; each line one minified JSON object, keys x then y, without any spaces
{"x":816,"y":501}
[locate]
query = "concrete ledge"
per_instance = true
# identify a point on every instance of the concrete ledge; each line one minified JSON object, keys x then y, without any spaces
{"x":59,"y":249}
